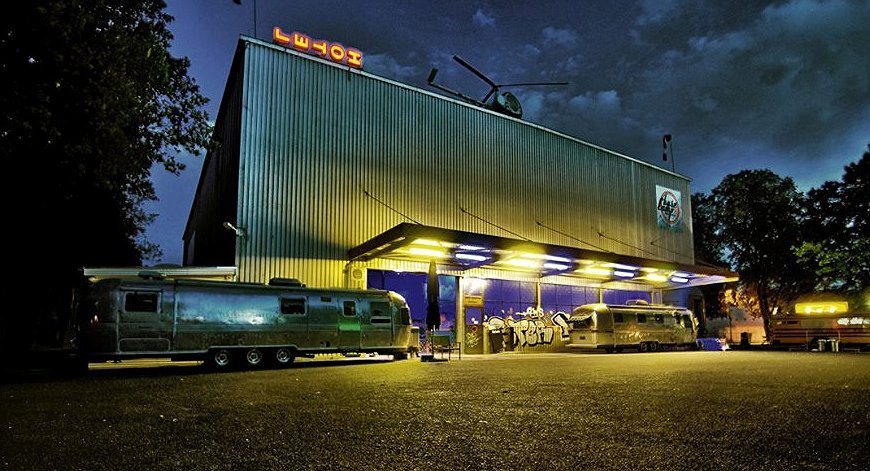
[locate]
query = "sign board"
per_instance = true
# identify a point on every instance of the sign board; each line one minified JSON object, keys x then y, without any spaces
{"x":669,"y":208}
{"x":319,"y":47}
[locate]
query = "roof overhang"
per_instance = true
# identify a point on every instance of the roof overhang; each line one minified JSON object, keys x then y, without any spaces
{"x":467,"y":250}
{"x":175,"y":272}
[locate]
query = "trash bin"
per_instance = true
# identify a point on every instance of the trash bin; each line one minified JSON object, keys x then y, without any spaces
{"x":745,"y":339}
{"x":496,"y":341}
{"x":508,"y":335}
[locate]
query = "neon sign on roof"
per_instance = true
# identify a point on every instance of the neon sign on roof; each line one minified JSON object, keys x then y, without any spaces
{"x":319,"y":47}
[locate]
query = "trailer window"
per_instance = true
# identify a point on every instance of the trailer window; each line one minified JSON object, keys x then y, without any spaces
{"x":293,"y":306}
{"x":617,"y":317}
{"x":349,"y":308}
{"x":687,"y":322}
{"x":659,"y":318}
{"x":380,"y":313}
{"x":404,"y":316}
{"x":140,"y":302}
{"x":641,"y":318}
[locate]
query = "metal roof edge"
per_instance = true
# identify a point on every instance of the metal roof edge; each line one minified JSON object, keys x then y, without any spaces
{"x":276,"y":47}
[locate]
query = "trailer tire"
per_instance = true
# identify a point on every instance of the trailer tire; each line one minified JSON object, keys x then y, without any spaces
{"x":653,"y":346}
{"x":644,"y":347}
{"x":284,"y":356}
{"x":254,"y":357}
{"x":221,"y":358}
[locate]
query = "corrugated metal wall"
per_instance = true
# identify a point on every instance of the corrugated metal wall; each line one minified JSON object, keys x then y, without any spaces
{"x":316,"y":137}
{"x":207,"y":242}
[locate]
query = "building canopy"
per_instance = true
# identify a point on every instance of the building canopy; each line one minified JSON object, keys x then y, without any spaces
{"x":467,"y":250}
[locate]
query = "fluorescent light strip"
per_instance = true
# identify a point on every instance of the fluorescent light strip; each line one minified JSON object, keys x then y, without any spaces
{"x":555,"y":266}
{"x":623,"y":274}
{"x":470,"y":256}
{"x":679,"y":279}
{"x":471,"y":247}
{"x":621,"y":266}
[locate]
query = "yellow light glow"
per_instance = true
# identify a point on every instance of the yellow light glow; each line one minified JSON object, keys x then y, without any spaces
{"x":430,"y":243}
{"x":826,"y":307}
{"x":656,"y":277}
{"x":553,"y":258}
{"x":595,"y":271}
{"x":426,"y":252}
{"x":649,"y":270}
{"x":522,"y":262}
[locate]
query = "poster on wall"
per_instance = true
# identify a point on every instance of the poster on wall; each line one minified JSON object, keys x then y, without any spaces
{"x":669,"y":208}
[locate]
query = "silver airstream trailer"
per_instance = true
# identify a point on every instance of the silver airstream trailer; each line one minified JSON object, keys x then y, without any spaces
{"x":636,"y":326}
{"x":228,"y":323}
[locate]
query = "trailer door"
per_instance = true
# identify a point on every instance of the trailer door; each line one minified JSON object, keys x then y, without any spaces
{"x":377,"y":326}
{"x":145,"y":320}
{"x":349,"y":324}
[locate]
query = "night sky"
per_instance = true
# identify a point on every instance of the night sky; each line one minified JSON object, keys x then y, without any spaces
{"x":739,"y":84}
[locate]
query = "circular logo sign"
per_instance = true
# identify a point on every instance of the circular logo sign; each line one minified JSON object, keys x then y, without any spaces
{"x":669,"y":208}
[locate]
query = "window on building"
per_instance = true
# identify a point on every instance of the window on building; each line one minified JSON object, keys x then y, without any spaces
{"x":641,"y":318}
{"x":293,"y":306}
{"x":141,"y":302}
{"x":349,"y":308}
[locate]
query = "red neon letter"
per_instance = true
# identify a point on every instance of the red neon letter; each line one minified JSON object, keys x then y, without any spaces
{"x":300,"y":42}
{"x":320,"y":47}
{"x":336,"y":52}
{"x":354,"y":58}
{"x":279,"y":37}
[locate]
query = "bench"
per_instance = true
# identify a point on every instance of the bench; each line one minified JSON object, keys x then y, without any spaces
{"x":445,"y":341}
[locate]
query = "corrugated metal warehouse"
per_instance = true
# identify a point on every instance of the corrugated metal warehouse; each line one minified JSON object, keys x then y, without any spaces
{"x":339,"y":177}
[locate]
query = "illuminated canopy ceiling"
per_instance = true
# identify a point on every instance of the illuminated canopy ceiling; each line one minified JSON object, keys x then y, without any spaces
{"x":467,"y":250}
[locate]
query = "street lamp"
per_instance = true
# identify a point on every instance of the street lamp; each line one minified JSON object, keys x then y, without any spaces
{"x":668,"y":147}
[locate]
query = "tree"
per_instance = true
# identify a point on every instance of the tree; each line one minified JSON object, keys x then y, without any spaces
{"x":94,"y":99}
{"x":758,"y":216}
{"x":708,"y":244}
{"x":837,"y":232}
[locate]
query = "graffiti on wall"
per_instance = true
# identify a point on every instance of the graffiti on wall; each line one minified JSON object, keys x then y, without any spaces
{"x":533,"y":329}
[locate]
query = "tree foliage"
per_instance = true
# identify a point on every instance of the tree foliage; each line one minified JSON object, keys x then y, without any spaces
{"x":708,"y":244}
{"x":94,"y":99}
{"x":757,"y":219}
{"x":837,"y":229}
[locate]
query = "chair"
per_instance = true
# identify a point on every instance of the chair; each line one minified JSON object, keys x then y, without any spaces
{"x":445,"y":341}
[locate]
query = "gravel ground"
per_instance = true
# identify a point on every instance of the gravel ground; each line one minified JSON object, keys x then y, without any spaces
{"x":676,"y":410}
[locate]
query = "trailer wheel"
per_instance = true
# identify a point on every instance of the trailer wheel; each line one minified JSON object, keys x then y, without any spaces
{"x":644,"y":347}
{"x":653,"y":346}
{"x":221,"y":358}
{"x":254,"y":357}
{"x":284,"y":356}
